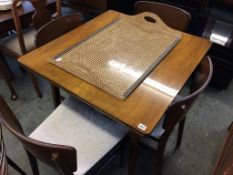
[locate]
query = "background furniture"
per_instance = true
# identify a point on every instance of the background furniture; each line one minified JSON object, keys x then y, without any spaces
{"x":220,"y":20}
{"x":96,"y":138}
{"x":225,"y":161}
{"x":22,"y":42}
{"x":7,"y":24}
{"x":25,"y":11}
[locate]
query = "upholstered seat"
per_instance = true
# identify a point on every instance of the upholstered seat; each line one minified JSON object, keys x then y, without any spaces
{"x":12,"y":43}
{"x":75,"y":124}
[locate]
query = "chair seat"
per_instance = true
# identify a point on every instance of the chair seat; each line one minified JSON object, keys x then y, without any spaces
{"x":75,"y":124}
{"x":11,"y":42}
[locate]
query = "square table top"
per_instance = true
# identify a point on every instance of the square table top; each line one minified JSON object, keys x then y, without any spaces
{"x":143,"y":109}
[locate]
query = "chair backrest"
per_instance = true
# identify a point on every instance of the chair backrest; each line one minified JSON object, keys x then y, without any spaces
{"x":3,"y":160}
{"x":57,"y":27}
{"x":174,"y":17}
{"x":40,"y":17}
{"x":61,"y":157}
{"x":178,"y":108}
{"x":99,"y":5}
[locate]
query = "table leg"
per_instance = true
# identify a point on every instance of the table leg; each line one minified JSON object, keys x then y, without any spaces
{"x":6,"y":68}
{"x":56,"y":95}
{"x":7,"y":81}
{"x":134,"y":147}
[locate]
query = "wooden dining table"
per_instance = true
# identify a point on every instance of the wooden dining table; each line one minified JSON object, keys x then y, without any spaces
{"x":144,"y":108}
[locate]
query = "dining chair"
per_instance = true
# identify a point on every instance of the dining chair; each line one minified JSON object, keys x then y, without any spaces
{"x":75,"y":139}
{"x":22,"y":42}
{"x":57,"y":27}
{"x":174,"y":17}
{"x":5,"y":160}
{"x":177,"y":111}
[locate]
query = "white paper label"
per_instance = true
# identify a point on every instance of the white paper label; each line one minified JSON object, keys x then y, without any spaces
{"x":142,"y":127}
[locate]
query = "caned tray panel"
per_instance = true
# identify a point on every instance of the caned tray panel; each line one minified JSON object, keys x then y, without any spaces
{"x":118,"y":57}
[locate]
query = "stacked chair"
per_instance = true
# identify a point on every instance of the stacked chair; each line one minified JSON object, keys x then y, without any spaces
{"x":22,"y":42}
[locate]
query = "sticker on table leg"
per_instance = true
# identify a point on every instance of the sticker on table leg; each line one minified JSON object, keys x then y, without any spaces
{"x":142,"y":127}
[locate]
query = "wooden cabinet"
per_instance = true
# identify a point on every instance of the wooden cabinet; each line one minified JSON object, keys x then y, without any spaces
{"x":222,"y":58}
{"x":222,"y":55}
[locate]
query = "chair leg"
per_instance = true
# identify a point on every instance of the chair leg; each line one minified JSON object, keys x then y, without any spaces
{"x":122,"y":154}
{"x":161,"y":149}
{"x":35,"y":84}
{"x":5,"y":67}
{"x":15,"y":166}
{"x":180,"y":132}
{"x":56,"y":95}
{"x":134,"y":148}
{"x":22,"y":69}
{"x":14,"y":96}
{"x":33,"y":163}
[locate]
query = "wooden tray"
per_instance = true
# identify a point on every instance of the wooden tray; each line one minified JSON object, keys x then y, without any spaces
{"x":118,"y":57}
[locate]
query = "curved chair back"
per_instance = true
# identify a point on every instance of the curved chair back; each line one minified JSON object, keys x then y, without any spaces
{"x":57,"y":27}
{"x":177,"y":110}
{"x":57,"y":156}
{"x":40,"y":17}
{"x":174,"y":17}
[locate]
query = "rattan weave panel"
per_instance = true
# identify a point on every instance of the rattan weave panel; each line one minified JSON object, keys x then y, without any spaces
{"x":118,"y":57}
